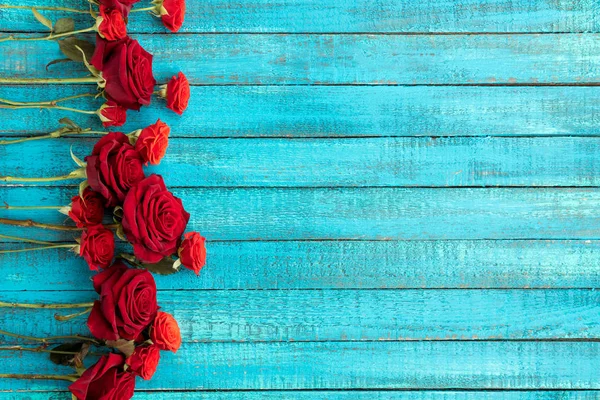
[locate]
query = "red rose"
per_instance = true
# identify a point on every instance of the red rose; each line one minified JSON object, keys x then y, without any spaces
{"x":88,"y":210}
{"x":165,"y":332}
{"x":152,"y":142}
{"x":112,"y":114}
{"x":110,"y":24}
{"x":172,"y":14}
{"x":105,"y":380}
{"x":113,"y":168}
{"x":97,"y":247}
{"x":144,"y":360}
{"x":124,"y":6}
{"x":153,"y":220}
{"x":127,"y":69}
{"x":192,"y":252}
{"x":178,"y":93}
{"x":127,"y":303}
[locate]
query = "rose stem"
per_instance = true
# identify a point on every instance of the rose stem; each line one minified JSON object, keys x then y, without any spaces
{"x":143,"y":9}
{"x":77,"y":174}
{"x":73,"y":10}
{"x":36,"y":350}
{"x":11,"y":38}
{"x":45,"y":103}
{"x":26,"y":240}
{"x":45,"y":340}
{"x":49,"y":106}
{"x":70,"y":378}
{"x":33,"y":224}
{"x":58,"y":246}
{"x":71,"y":316}
{"x":56,"y":306}
{"x":7,"y":207}
{"x":27,"y":81}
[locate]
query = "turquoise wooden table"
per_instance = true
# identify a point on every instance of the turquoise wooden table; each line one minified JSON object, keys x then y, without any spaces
{"x":401,"y":199}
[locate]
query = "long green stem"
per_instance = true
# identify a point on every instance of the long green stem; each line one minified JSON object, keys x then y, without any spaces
{"x":77,"y":174}
{"x":73,"y":10}
{"x":143,"y":9}
{"x":48,"y":106}
{"x":71,"y":316}
{"x":20,"y":239}
{"x":47,"y":81}
{"x":55,"y":306}
{"x":58,"y":246}
{"x":11,"y":38}
{"x":70,"y":378}
{"x":49,"y":339}
{"x":36,"y":350}
{"x":7,"y":207}
{"x":32,"y":224}
{"x":45,"y":103}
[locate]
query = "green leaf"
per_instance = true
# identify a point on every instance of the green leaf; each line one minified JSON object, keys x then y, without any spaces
{"x":166,"y":266}
{"x":64,"y":25}
{"x":45,"y":21}
{"x":58,"y":61}
{"x":69,"y":48}
{"x":80,"y":350}
{"x":126,"y":347}
{"x":69,"y":123}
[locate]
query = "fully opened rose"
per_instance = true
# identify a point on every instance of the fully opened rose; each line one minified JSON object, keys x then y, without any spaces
{"x":107,"y":379}
{"x":165,"y":332}
{"x":97,"y":247}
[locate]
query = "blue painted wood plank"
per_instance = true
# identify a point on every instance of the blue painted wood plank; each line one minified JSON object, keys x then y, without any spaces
{"x":350,"y":16}
{"x":341,"y":315}
{"x":334,"y":394}
{"x":366,"y":365}
{"x":342,"y":264}
{"x":323,"y":59}
{"x":381,"y":162}
{"x":331,"y":111}
{"x":360,"y":213}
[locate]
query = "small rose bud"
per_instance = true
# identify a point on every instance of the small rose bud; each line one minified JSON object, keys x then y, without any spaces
{"x":97,"y":247}
{"x":192,"y":252}
{"x":165,"y":332}
{"x":177,"y":93}
{"x":143,"y":361}
{"x":110,"y":24}
{"x":172,"y":13}
{"x":112,"y":114}
{"x":152,"y":142}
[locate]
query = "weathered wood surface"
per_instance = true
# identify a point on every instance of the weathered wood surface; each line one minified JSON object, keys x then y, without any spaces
{"x":343,"y":315}
{"x":333,"y":111}
{"x":366,"y":365}
{"x":349,"y":16}
{"x":345,"y":59}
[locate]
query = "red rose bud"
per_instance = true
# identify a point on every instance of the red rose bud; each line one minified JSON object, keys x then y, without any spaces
{"x":106,"y":379}
{"x":177,"y":93}
{"x":110,"y":24}
{"x":97,"y":247}
{"x":113,"y":168}
{"x":165,"y":332}
{"x":143,"y":361}
{"x":127,"y":69}
{"x":123,"y":6}
{"x":152,"y":142}
{"x":192,"y":252}
{"x":112,"y":114}
{"x":172,"y":13}
{"x":153,"y":220}
{"x":86,"y":211}
{"x":127,"y":304}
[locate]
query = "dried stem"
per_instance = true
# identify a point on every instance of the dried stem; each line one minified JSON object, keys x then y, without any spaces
{"x":56,"y":306}
{"x":33,"y":224}
{"x":50,"y":338}
{"x":70,"y":378}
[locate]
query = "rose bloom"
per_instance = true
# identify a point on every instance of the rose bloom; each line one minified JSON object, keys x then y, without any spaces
{"x":192,"y":252}
{"x":144,"y":360}
{"x":105,"y":380}
{"x":165,"y":332}
{"x":123,"y":6}
{"x":127,"y":69}
{"x":88,"y":210}
{"x":113,"y":168}
{"x":178,"y":93}
{"x":172,"y":14}
{"x":153,"y":220}
{"x":110,"y":24}
{"x":127,"y":304}
{"x":152,"y":142}
{"x":112,"y":114}
{"x":97,"y":247}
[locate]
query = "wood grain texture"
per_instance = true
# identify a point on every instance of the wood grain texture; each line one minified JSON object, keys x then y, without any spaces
{"x":343,"y":265}
{"x":343,"y":365}
{"x":359,"y":213}
{"x":343,"y":315}
{"x":350,"y":16}
{"x":334,"y":395}
{"x":325,"y":59}
{"x":373,"y":162}
{"x":331,"y":111}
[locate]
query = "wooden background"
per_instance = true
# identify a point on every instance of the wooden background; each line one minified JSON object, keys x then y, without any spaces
{"x":401,"y":199}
